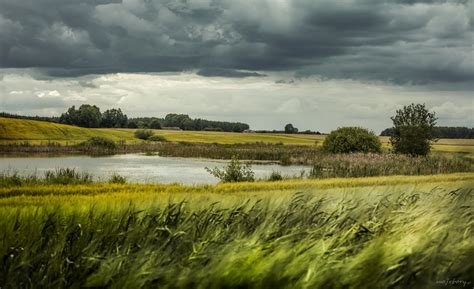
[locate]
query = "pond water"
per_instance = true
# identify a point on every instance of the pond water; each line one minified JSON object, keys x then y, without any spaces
{"x":138,"y":168}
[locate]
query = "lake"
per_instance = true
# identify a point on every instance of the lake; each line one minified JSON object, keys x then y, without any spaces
{"x":137,"y":168}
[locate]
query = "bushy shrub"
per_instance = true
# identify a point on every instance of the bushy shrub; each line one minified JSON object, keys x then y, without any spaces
{"x":144,"y":134}
{"x":275,"y":176}
{"x":117,"y":179}
{"x":102,"y":142}
{"x":351,"y":140}
{"x":67,"y":176}
{"x":235,"y":171}
{"x":157,"y":138}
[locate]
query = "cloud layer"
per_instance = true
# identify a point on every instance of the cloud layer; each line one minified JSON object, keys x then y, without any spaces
{"x":404,"y":41}
{"x":263,"y":102}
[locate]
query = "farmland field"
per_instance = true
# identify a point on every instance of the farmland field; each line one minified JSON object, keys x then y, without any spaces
{"x":404,"y":222}
{"x":37,"y":132}
{"x":16,"y":131}
{"x":383,"y":232}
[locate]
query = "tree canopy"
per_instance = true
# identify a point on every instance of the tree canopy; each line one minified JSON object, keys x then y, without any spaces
{"x":289,"y":128}
{"x":413,"y":130}
{"x":114,"y":118}
{"x":86,"y":116}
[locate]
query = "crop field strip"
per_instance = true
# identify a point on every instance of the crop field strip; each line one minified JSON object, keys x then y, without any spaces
{"x":96,"y":191}
{"x":361,"y":233}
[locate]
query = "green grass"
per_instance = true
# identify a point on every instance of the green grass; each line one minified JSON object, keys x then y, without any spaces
{"x":37,"y":132}
{"x":16,"y":131}
{"x":384,"y":232}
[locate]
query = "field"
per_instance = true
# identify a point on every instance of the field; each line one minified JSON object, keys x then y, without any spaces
{"x":37,"y":132}
{"x":402,"y":223}
{"x":15,"y":131}
{"x":383,"y":232}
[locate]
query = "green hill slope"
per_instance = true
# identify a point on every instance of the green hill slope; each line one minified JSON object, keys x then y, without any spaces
{"x":38,"y":131}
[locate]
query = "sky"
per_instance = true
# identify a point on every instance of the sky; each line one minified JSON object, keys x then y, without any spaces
{"x":319,"y":64}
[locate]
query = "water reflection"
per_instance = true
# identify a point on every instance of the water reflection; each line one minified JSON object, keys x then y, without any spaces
{"x":137,"y":167}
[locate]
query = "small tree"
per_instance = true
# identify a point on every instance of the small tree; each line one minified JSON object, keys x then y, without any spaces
{"x":233,"y":172}
{"x":351,"y":140}
{"x":413,"y":130}
{"x":289,"y":128}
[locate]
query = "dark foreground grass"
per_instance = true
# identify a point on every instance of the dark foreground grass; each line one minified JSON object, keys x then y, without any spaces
{"x":373,"y":237}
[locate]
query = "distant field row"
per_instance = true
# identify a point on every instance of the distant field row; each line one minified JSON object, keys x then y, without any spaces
{"x":13,"y":131}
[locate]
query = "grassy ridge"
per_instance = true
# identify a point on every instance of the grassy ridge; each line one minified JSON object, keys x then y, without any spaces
{"x":39,"y":131}
{"x":385,"y":232}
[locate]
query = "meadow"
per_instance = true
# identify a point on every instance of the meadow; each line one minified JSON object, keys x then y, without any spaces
{"x":19,"y":132}
{"x":381,"y":232}
{"x":354,"y":221}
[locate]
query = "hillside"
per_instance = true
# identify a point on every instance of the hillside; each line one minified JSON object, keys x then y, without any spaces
{"x":40,"y":131}
{"x":36,"y":132}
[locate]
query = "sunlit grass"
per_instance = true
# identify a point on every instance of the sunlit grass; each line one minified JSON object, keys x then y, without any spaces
{"x":17,"y":131}
{"x":382,"y":232}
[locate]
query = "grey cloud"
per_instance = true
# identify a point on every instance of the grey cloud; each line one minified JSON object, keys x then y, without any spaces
{"x":228,"y":73}
{"x":399,"y":41}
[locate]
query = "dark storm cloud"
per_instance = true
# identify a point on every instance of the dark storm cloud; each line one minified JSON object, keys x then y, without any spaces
{"x":400,"y":41}
{"x":227,"y":73}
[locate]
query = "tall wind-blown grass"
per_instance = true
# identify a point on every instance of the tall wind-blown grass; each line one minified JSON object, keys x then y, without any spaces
{"x":59,"y":176}
{"x":368,"y":165}
{"x":385,"y":238}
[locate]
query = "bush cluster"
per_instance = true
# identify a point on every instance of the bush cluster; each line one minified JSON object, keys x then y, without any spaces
{"x":352,"y":140}
{"x":158,"y":138}
{"x":275,"y":176}
{"x":100,"y":142}
{"x":144,"y":134}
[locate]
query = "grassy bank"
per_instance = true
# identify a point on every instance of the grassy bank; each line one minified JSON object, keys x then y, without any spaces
{"x":385,"y":232}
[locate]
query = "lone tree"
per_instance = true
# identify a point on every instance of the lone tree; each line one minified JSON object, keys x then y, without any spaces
{"x":289,"y":128}
{"x":352,"y":140}
{"x":413,"y":130}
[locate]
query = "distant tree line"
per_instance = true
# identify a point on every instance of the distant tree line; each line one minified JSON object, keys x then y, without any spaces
{"x":283,"y":131}
{"x":184,"y":122}
{"x":289,"y":129}
{"x":90,"y":116}
{"x":39,"y":118}
{"x":443,"y":132}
